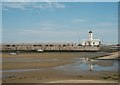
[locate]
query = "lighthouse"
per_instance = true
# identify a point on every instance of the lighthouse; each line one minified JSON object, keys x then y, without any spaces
{"x":90,"y":35}
{"x":91,"y":41}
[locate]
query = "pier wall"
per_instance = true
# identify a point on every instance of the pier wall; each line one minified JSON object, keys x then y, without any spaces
{"x":48,"y":47}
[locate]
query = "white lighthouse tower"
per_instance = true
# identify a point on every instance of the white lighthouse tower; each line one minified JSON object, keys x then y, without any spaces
{"x":91,"y":41}
{"x":90,"y":35}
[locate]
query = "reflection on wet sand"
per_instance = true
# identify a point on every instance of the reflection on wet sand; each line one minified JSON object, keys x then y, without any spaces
{"x":90,"y":67}
{"x":85,"y":64}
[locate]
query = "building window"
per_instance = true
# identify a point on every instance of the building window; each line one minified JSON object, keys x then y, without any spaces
{"x":39,"y":45}
{"x":34,"y":45}
{"x":13,"y":45}
{"x":51,"y":45}
{"x":64,"y":45}
{"x":7,"y":45}
{"x":46,"y":45}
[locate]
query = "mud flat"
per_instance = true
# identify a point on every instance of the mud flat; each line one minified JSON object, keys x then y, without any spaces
{"x":114,"y":55}
{"x":50,"y":67}
{"x":82,"y":81}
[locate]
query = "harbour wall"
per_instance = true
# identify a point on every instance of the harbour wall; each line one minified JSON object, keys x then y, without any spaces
{"x":47,"y":47}
{"x":56,"y":47}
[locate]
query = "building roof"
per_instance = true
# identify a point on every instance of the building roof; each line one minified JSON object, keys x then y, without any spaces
{"x":94,"y":40}
{"x":90,"y":31}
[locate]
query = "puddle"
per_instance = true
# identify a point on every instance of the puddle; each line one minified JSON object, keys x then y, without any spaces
{"x":81,"y":66}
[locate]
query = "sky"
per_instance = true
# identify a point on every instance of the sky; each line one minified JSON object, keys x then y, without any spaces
{"x":51,"y":22}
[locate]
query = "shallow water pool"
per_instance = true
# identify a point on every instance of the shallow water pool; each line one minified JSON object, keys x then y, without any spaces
{"x":81,"y":66}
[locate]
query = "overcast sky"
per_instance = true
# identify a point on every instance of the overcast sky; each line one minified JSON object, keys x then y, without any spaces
{"x":59,"y":21}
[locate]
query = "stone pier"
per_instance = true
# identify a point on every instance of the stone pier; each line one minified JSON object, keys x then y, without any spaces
{"x":47,"y":47}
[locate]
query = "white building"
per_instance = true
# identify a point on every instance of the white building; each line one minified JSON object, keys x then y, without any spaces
{"x":91,"y":41}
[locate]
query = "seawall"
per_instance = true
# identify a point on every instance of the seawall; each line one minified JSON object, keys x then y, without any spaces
{"x":47,"y":47}
{"x":56,"y":47}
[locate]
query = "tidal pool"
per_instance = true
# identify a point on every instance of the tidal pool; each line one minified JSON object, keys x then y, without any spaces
{"x":81,"y":66}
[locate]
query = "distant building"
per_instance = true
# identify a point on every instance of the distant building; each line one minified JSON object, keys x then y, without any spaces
{"x":91,"y":41}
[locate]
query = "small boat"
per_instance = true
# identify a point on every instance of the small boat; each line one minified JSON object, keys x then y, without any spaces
{"x":82,"y":58}
{"x":13,"y":53}
{"x":40,"y":50}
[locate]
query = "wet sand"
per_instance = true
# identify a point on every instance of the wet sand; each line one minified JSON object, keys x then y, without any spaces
{"x":35,"y":60}
{"x":41,"y":60}
{"x":82,"y":81}
{"x":44,"y":64}
{"x":113,"y":55}
{"x":53,"y":76}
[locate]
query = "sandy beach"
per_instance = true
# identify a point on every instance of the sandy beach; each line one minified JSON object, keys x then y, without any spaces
{"x":82,"y":81}
{"x":113,"y":55}
{"x":42,"y":68}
